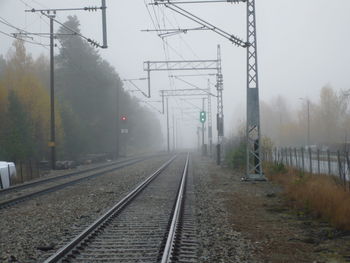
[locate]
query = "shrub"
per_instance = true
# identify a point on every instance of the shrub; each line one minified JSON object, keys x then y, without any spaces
{"x":319,"y":195}
{"x":236,"y":158}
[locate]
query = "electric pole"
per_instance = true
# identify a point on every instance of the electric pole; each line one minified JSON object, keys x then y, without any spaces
{"x":167,"y":124}
{"x":203,"y":146}
{"x":308,"y":123}
{"x":210,"y":132}
{"x":52,"y":143}
{"x":220,"y":107}
{"x":51,"y":14}
{"x":118,"y":131}
{"x":254,"y":160}
{"x":173,"y":132}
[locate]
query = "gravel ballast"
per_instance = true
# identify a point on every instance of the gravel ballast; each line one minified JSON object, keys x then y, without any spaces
{"x":235,"y":221}
{"x":31,"y":231}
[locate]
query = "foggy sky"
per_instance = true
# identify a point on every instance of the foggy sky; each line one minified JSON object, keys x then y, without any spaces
{"x":302,"y":46}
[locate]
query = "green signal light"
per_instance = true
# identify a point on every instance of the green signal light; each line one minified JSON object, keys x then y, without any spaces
{"x":202,"y":116}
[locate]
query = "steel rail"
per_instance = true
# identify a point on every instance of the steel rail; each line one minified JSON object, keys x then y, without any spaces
{"x":59,"y":177}
{"x":104,"y":219}
{"x":26,"y":197}
{"x":171,"y":239}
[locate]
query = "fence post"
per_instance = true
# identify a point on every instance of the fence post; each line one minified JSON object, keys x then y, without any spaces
{"x":341,"y":170}
{"x":302,"y":159}
{"x":38,"y":168}
{"x":310,"y":159}
{"x":21,"y":169}
{"x":286,"y":156}
{"x":318,"y":161}
{"x":31,"y":169}
{"x":282,"y":156}
{"x":348,"y":166}
{"x":339,"y":167}
{"x":276,"y":155}
{"x":329,"y":162}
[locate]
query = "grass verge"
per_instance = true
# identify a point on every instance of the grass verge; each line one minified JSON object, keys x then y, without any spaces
{"x":320,"y":195}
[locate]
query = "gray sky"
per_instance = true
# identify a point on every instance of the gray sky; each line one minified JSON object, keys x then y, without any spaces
{"x":302,"y":45}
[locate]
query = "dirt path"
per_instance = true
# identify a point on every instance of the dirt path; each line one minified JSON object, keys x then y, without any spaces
{"x":250,"y":222}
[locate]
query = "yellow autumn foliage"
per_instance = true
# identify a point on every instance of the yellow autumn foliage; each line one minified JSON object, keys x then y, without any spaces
{"x":35,"y":98}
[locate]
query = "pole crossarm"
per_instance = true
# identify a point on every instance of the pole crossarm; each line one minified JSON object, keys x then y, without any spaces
{"x":41,"y":34}
{"x":201,"y":1}
{"x":192,"y":75}
{"x":52,"y":11}
{"x":184,"y":92}
{"x":180,"y":65}
{"x":172,"y":6}
{"x":173,"y":31}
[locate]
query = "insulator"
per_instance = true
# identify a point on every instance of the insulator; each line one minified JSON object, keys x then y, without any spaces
{"x":91,"y":8}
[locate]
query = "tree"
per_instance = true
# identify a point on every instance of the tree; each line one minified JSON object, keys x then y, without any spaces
{"x":31,"y":97}
{"x":18,"y":132}
{"x":2,"y":66}
{"x":87,"y":85}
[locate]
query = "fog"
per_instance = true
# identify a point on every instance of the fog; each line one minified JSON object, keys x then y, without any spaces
{"x":302,"y":47}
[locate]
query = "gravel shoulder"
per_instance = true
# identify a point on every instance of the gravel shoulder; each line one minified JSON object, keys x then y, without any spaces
{"x":32,"y":231}
{"x":250,"y":222}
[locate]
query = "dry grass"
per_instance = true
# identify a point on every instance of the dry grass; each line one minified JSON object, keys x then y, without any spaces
{"x":320,"y":195}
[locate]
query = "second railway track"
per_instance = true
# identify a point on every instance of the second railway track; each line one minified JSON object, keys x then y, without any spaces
{"x":29,"y":191}
{"x":147,"y":225}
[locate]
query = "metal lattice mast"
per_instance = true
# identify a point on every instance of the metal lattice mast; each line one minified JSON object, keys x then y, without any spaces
{"x":254,"y":166}
{"x":210,"y":126}
{"x":220,"y":105}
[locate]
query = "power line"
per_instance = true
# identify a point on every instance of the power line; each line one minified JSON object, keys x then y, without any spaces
{"x":30,"y":7}
{"x":14,"y":36}
{"x":92,"y":42}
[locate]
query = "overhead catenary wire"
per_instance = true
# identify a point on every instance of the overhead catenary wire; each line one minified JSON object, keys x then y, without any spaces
{"x":14,"y":36}
{"x":38,"y":14}
{"x":185,"y":42}
{"x":166,"y":45}
{"x":92,"y":42}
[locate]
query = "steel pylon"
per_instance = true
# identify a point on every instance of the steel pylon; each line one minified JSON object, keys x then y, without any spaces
{"x":220,"y":105}
{"x":254,"y":160}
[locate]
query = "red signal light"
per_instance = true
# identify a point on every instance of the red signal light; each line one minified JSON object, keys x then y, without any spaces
{"x":123,"y":118}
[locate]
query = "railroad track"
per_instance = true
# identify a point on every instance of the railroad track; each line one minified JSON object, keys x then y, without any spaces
{"x":150,"y":224}
{"x":60,"y":177}
{"x":84,"y":175}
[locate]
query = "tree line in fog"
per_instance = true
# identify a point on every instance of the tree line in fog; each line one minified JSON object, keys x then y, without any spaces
{"x":86,"y":103}
{"x":328,"y":119}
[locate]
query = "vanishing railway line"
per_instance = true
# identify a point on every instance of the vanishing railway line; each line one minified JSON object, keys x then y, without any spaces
{"x":18,"y":194}
{"x":152,"y":223}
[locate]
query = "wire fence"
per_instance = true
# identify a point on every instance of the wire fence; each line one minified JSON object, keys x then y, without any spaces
{"x":314,"y":161}
{"x":26,"y":171}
